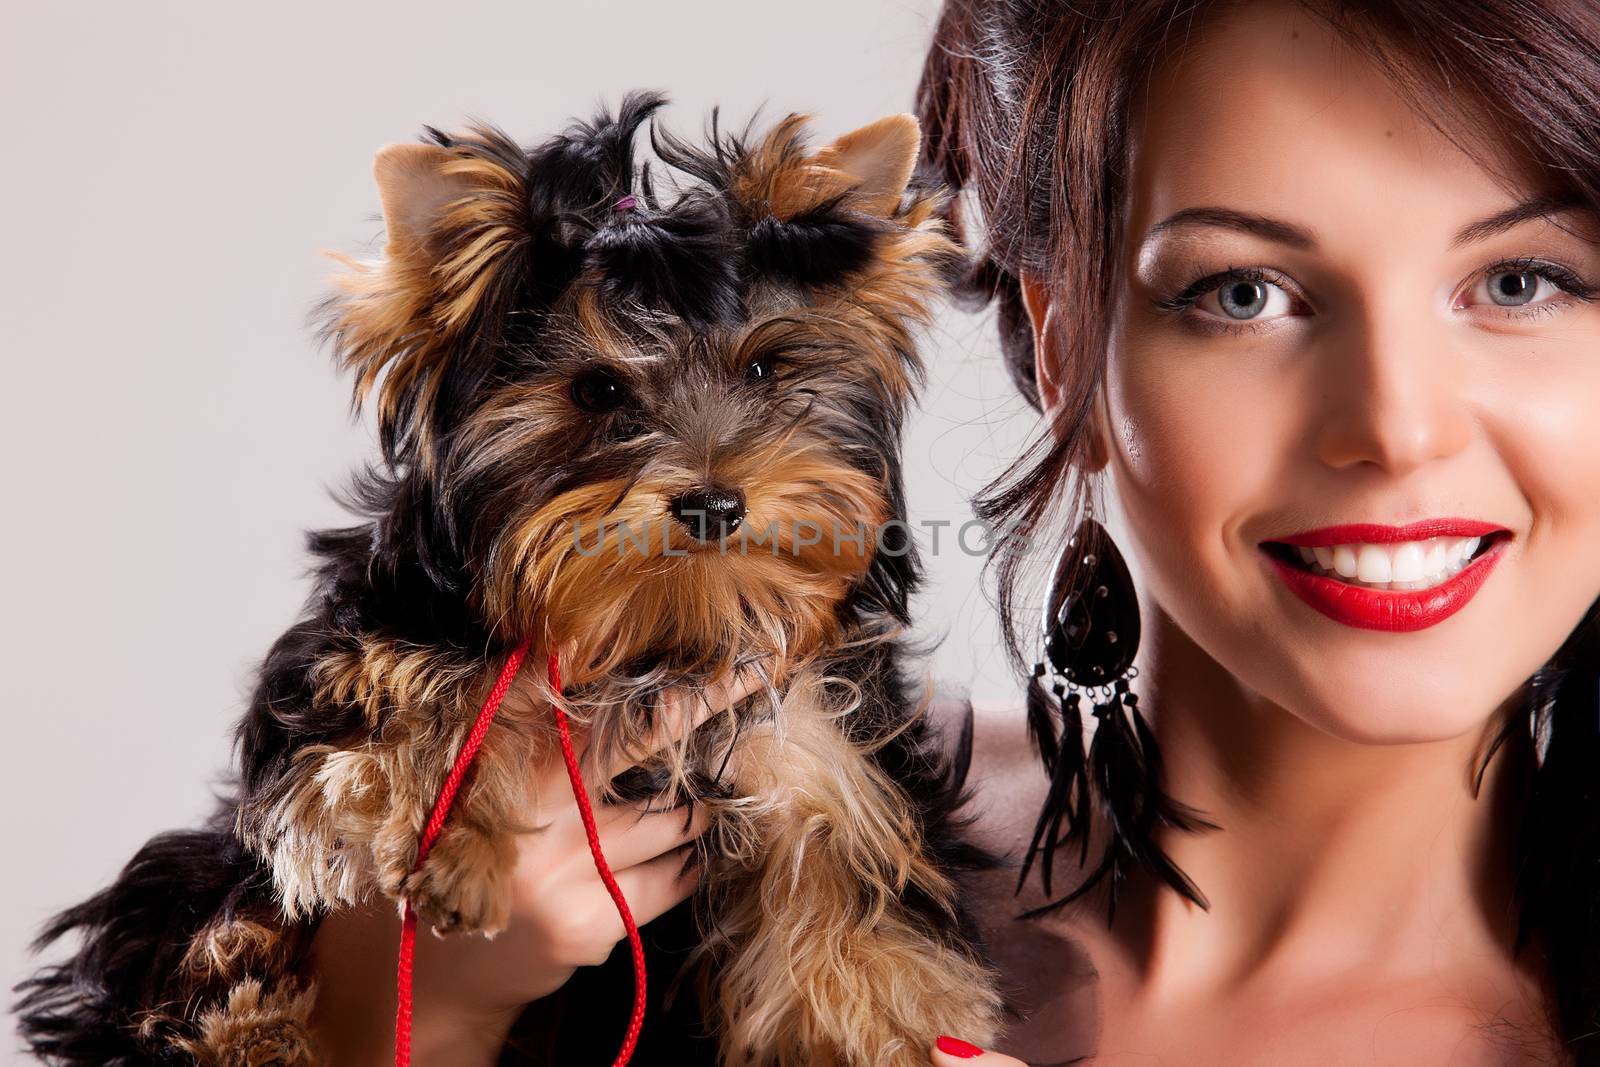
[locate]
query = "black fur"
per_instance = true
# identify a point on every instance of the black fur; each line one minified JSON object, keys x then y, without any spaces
{"x":813,"y":248}
{"x":404,"y":571}
{"x":133,"y":935}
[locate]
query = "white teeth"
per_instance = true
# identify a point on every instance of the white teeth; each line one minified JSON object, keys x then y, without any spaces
{"x":1373,"y":564}
{"x":1407,"y":563}
{"x":1435,"y":559}
{"x":1402,"y":565}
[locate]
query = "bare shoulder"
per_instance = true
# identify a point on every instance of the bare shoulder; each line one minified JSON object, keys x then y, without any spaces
{"x":1006,"y":787}
{"x":1046,"y":976}
{"x":1006,"y":782}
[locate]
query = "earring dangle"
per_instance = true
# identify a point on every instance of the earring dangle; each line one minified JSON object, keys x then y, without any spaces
{"x":1090,"y":630}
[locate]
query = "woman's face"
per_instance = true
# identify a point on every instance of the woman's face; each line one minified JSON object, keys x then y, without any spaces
{"x":1334,"y":324}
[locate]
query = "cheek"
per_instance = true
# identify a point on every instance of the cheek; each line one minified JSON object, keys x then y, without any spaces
{"x":1542,"y":415}
{"x":1200,"y":443}
{"x":1194,"y":450}
{"x":1542,"y":418}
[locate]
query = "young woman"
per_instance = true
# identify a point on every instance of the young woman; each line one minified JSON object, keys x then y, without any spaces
{"x":1280,"y":277}
{"x":1309,"y":289}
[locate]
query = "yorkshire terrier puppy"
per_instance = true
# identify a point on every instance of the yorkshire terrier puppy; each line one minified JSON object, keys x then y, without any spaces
{"x":650,"y":417}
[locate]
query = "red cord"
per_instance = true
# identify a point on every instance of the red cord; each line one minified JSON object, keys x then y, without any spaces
{"x":636,"y":1022}
{"x":441,"y":811}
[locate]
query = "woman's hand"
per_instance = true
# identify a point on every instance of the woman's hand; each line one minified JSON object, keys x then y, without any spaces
{"x":953,"y":1052}
{"x":468,"y":990}
{"x":562,"y":916}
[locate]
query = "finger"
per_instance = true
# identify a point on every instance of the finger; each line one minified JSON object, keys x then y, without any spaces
{"x":655,"y":887}
{"x":728,"y":690}
{"x":680,"y":710}
{"x":628,"y":837}
{"x":549,"y":777}
{"x":950,"y":1051}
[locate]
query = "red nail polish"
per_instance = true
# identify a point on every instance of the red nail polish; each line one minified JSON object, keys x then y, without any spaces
{"x":954,"y":1046}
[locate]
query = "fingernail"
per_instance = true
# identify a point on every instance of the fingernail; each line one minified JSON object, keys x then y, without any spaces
{"x":954,"y":1046}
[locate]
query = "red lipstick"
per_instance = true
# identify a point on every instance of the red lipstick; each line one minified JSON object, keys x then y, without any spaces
{"x":1390,"y":610}
{"x":1377,"y":534}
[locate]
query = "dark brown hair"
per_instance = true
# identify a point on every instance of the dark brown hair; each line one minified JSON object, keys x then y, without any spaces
{"x":1027,"y":109}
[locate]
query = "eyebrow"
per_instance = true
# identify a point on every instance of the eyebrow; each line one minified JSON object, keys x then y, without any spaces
{"x":1535,"y":207}
{"x":1287,"y":233}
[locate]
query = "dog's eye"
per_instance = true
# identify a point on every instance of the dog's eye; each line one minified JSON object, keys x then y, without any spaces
{"x":760,"y":369}
{"x":599,"y":392}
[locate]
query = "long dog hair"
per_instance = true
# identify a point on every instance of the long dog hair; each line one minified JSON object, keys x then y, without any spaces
{"x":563,"y":344}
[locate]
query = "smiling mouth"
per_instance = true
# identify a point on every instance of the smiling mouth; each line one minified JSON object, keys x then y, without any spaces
{"x":1401,"y":566}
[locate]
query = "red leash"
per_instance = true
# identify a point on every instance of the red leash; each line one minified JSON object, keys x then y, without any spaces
{"x":441,"y":810}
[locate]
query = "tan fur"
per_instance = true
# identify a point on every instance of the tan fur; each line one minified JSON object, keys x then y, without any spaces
{"x":231,"y":948}
{"x":382,"y":675}
{"x":894,"y":294}
{"x":706,"y":605}
{"x":404,"y":312}
{"x":819,"y":963}
{"x":602,"y":336}
{"x":349,"y":822}
{"x":881,"y":156}
{"x":875,"y":312}
{"x":257,"y":1026}
{"x":778,"y":176}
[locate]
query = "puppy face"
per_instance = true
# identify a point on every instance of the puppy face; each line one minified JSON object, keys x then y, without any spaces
{"x":647,"y":412}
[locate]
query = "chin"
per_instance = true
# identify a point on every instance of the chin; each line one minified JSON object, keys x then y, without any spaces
{"x":1383,"y":698}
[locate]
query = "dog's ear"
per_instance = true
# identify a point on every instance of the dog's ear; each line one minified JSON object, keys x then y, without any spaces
{"x":418,"y":325}
{"x":880,"y":157}
{"x":416,"y":186}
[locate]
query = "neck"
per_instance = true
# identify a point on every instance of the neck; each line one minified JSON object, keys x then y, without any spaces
{"x":1331,"y":854}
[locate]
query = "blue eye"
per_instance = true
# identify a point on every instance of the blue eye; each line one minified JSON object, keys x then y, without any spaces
{"x":1238,"y":295}
{"x":1526,"y":284}
{"x":1243,"y":300}
{"x":1513,"y":288}
{"x":1246,"y":298}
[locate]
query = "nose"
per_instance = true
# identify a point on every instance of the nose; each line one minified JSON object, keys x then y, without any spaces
{"x":710,"y":514}
{"x":1395,"y":397}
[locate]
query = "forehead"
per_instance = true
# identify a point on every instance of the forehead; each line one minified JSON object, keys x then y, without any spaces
{"x":1268,"y":109}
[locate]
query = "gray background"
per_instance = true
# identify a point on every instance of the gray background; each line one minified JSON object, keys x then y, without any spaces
{"x":170,"y":426}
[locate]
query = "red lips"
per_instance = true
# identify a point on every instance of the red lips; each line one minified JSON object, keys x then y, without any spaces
{"x":1350,"y":533}
{"x":1392,"y":610}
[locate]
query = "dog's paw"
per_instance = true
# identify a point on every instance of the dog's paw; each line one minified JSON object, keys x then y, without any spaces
{"x":465,"y":885}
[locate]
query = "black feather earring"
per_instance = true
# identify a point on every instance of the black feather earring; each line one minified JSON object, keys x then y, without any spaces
{"x":1091,"y":636}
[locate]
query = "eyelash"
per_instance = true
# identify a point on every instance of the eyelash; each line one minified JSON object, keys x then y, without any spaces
{"x":1563,"y":278}
{"x":1185,"y":299}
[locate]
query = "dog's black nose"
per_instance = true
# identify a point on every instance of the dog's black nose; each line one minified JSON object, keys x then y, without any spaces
{"x":710,"y":514}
